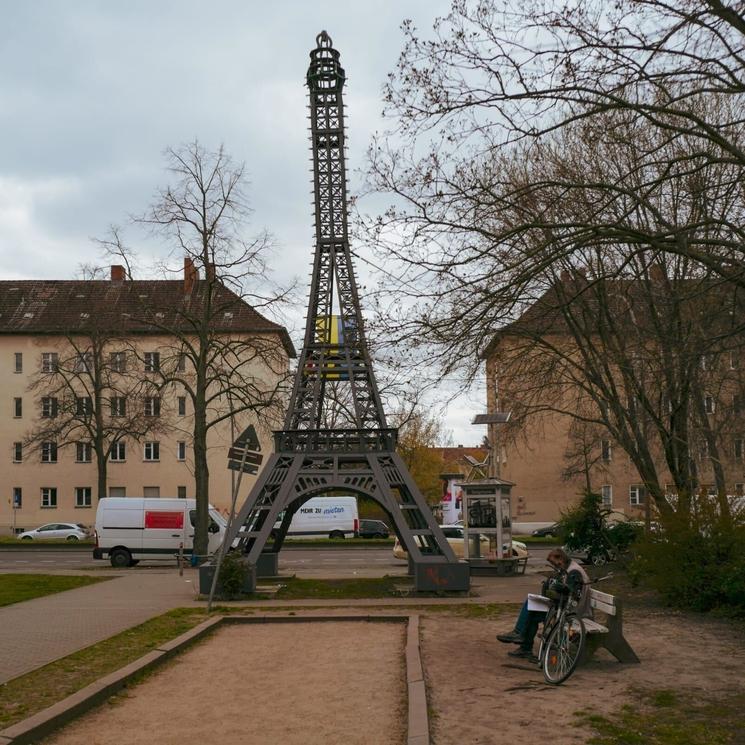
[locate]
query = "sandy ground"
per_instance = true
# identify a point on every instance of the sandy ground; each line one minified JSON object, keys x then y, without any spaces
{"x":332,"y":683}
{"x":480,"y":696}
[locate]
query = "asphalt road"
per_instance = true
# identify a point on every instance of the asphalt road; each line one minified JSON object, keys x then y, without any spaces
{"x":338,"y":562}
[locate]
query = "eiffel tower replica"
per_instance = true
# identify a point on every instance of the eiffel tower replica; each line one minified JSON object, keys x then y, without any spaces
{"x":316,"y":452}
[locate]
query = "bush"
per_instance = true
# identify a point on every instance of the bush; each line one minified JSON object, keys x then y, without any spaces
{"x":233,"y":572}
{"x":699,"y":566}
{"x":583,"y":526}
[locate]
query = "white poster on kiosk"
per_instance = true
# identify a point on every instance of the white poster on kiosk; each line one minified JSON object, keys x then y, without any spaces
{"x":452,"y":499}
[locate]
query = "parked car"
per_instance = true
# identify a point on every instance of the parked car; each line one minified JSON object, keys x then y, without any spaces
{"x":373,"y":529}
{"x":57,"y":531}
{"x":550,"y":531}
{"x":454,"y":535}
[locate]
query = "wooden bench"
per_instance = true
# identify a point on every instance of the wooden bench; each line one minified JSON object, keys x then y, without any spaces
{"x":610,"y":634}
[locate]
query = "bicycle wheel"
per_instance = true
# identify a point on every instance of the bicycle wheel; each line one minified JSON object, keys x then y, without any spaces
{"x":563,"y":650}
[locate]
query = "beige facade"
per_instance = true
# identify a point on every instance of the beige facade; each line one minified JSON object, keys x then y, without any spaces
{"x":38,"y":488}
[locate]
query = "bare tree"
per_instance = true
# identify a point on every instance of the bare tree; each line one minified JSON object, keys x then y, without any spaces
{"x":223,"y":354}
{"x":90,"y":399}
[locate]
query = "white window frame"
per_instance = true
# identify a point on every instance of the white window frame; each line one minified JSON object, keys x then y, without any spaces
{"x":151,"y":451}
{"x":83,"y":362}
{"x":606,"y":492}
{"x":118,"y":452}
{"x":49,"y":362}
{"x":17,"y":498}
{"x":710,"y":404}
{"x":152,"y":405}
{"x":181,"y":450}
{"x":181,"y":363}
{"x":152,"y":361}
{"x":118,"y":362}
{"x":118,"y":406}
{"x":83,"y":496}
{"x":48,"y":452}
{"x":17,"y":452}
{"x":49,"y":497}
{"x":83,"y":452}
{"x":49,"y":407}
{"x":637,"y":495}
{"x":83,"y":406}
{"x":606,"y":451}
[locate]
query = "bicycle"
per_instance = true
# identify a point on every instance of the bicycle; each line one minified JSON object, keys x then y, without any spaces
{"x":563,"y":637}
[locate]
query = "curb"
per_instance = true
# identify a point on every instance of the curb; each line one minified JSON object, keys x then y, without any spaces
{"x":48,"y":720}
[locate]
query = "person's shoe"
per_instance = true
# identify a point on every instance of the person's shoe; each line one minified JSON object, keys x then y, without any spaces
{"x":526,"y":654}
{"x":512,"y":638}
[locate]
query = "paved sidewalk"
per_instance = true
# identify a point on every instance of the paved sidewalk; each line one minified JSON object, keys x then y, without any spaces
{"x":37,"y":632}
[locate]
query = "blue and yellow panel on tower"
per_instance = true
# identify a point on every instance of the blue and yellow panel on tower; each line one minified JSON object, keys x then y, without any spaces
{"x":330,"y":330}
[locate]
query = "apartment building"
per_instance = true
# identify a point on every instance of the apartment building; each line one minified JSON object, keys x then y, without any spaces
{"x":546,"y":447}
{"x":106,"y":362}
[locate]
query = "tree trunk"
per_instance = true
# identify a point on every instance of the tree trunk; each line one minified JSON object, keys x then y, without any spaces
{"x":201,"y":477}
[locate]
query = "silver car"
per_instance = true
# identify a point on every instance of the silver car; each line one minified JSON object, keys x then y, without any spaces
{"x":56,"y":531}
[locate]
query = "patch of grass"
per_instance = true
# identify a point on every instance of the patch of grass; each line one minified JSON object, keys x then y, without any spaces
{"x":665,"y":717}
{"x":15,"y":588}
{"x":339,"y":589}
{"x":30,"y":693}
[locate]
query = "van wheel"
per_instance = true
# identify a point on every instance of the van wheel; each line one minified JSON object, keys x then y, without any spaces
{"x":336,"y":534}
{"x":120,"y":558}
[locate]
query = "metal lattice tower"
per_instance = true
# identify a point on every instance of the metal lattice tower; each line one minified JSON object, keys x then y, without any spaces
{"x":335,"y":437}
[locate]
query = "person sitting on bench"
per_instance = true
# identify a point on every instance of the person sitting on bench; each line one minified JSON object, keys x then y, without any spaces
{"x":527,"y":623}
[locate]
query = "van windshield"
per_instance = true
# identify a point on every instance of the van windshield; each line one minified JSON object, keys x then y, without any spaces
{"x":216,"y":519}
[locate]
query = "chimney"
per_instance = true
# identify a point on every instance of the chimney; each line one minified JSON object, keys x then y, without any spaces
{"x":210,"y":271}
{"x":117,"y":273}
{"x":191,"y":275}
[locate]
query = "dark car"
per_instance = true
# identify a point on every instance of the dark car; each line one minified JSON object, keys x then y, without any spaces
{"x":549,"y":532}
{"x":373,"y":529}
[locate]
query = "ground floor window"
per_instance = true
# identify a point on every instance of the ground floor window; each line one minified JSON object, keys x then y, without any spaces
{"x":49,"y":496}
{"x":83,"y":496}
{"x":607,"y":493}
{"x":181,"y":492}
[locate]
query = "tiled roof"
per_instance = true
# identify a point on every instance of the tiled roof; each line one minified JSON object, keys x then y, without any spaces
{"x":128,"y":307}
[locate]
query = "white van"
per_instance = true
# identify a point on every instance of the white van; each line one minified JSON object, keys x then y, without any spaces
{"x":129,"y":529}
{"x":332,"y":517}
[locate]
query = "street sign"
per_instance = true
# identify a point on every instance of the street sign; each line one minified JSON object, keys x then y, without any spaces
{"x":245,"y":453}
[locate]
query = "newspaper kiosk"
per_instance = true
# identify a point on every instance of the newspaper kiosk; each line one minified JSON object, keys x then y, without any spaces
{"x":487,"y":526}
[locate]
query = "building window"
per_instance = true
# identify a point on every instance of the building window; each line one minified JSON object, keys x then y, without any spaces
{"x":17,"y":497}
{"x":181,"y":492}
{"x":83,"y":405}
{"x":182,"y":405}
{"x":19,"y":362}
{"x":49,"y":362}
{"x":606,"y":451}
{"x":152,"y":406}
{"x":181,"y":363}
{"x":739,"y":448}
{"x":17,"y":407}
{"x":48,"y":452}
{"x":181,"y":450}
{"x":150,"y":491}
{"x":118,"y":451}
{"x":637,"y":494}
{"x":152,"y":451}
{"x":83,"y":452}
{"x":117,"y":491}
{"x":709,"y":404}
{"x":118,"y":362}
{"x":49,"y":407}
{"x":607,"y":493}
{"x":82,"y":496}
{"x":17,"y":452}
{"x":152,"y":361}
{"x":83,"y":362}
{"x":739,"y":490}
{"x":49,"y":496}
{"x":118,"y":406}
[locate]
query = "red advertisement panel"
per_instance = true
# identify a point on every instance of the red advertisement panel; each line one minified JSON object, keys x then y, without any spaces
{"x":170,"y":520}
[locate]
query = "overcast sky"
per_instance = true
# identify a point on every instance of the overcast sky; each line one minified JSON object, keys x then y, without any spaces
{"x":91,"y":93}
